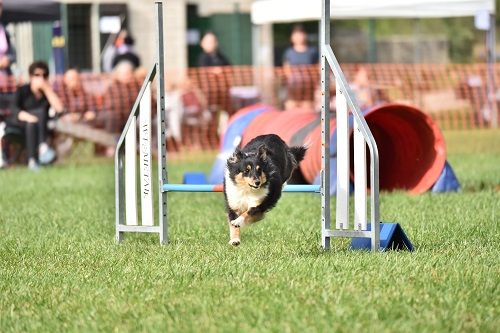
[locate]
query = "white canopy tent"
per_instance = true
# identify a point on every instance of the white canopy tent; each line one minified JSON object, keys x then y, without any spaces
{"x":266,"y":12}
{"x":274,"y":11}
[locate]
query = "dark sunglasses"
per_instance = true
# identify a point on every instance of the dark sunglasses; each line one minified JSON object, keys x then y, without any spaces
{"x":44,"y":75}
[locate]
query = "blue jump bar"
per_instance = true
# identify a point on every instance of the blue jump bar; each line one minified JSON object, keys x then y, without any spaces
{"x":219,"y":188}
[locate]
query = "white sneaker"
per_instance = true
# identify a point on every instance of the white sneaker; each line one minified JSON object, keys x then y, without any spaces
{"x":33,"y":165}
{"x":46,"y":155}
{"x":43,"y":147}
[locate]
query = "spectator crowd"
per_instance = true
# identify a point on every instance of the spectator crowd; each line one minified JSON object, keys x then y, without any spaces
{"x":200,"y":100}
{"x":28,"y":109}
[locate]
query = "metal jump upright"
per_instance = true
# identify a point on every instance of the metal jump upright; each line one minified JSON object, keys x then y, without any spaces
{"x":126,"y":156}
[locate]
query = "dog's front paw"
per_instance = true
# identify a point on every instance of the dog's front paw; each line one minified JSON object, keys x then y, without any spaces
{"x":234,"y":241}
{"x":238,"y":222}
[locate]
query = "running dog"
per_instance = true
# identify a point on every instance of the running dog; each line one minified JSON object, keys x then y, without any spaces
{"x":254,"y":178}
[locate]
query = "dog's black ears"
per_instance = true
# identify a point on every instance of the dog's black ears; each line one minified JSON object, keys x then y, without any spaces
{"x":236,"y":157}
{"x":262,"y":152}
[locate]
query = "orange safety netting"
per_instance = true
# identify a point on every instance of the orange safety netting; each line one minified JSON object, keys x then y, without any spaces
{"x":199,"y":100}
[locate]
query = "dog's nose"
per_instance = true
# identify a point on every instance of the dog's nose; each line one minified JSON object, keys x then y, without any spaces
{"x":257,"y":182}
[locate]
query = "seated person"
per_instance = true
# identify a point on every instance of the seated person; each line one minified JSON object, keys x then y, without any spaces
{"x":79,"y":104}
{"x":187,"y":114}
{"x":119,"y":99}
{"x":361,"y":86}
{"x":31,"y":103}
{"x":75,"y":99}
{"x":195,"y":108}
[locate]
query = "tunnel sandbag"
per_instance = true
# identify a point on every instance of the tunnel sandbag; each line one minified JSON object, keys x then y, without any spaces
{"x":447,"y":181}
{"x":411,"y":147}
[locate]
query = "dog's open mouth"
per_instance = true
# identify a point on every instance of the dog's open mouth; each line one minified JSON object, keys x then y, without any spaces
{"x":253,"y":186}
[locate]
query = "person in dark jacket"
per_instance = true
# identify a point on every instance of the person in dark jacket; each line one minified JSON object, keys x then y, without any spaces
{"x":31,"y":103}
{"x":125,"y":52}
{"x":215,"y":73}
{"x":211,"y":56}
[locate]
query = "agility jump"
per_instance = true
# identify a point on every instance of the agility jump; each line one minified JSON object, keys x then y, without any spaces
{"x":126,"y":157}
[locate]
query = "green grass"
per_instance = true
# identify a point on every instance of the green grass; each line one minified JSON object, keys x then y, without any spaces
{"x":60,"y":269}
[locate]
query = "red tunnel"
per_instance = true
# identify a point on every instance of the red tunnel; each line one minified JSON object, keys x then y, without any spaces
{"x":411,"y":147}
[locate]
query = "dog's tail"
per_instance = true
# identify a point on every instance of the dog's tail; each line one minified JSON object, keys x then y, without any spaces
{"x":298,"y":153}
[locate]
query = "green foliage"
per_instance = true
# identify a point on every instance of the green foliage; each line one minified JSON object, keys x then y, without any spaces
{"x":462,"y":37}
{"x":60,"y":269}
{"x":460,"y":32}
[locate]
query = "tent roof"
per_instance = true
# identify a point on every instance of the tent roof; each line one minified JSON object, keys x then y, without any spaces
{"x":30,"y":10}
{"x":271,"y":11}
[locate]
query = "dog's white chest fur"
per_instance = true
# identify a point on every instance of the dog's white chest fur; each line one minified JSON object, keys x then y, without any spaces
{"x":242,"y":198}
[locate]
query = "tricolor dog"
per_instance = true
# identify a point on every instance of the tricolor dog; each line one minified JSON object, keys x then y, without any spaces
{"x":254,"y":178}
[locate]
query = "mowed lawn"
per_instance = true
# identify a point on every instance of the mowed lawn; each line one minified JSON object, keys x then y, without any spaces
{"x":61,"y":271}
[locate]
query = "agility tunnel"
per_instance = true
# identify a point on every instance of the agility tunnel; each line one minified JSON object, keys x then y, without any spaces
{"x":411,"y":147}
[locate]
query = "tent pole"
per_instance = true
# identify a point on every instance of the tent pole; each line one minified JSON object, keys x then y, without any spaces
{"x":490,"y":79}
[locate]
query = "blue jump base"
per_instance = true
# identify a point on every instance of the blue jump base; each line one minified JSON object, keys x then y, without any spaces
{"x":194,"y":178}
{"x":219,"y":188}
{"x":392,"y":237}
